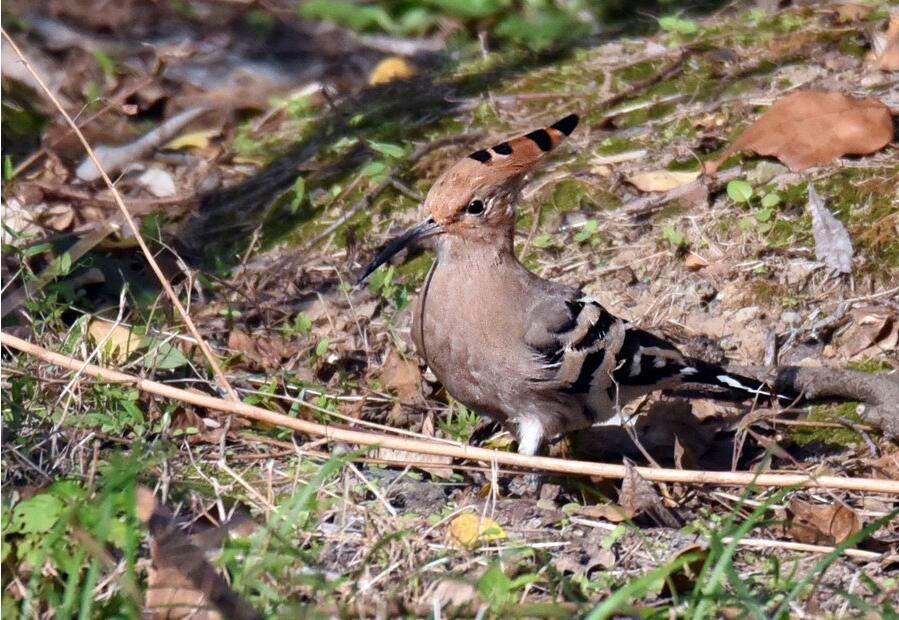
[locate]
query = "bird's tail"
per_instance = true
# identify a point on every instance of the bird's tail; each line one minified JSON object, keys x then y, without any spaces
{"x":738,"y":385}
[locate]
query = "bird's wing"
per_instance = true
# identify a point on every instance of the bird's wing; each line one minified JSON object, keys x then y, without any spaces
{"x":582,"y":348}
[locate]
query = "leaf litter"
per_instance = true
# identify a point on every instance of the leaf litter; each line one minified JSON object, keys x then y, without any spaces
{"x":812,"y":128}
{"x":719,"y":273}
{"x":832,"y":242}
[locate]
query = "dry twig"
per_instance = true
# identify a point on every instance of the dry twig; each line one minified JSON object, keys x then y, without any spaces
{"x":460,"y":451}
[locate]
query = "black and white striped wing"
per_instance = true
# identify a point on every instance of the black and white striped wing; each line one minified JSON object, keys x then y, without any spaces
{"x":590,"y":349}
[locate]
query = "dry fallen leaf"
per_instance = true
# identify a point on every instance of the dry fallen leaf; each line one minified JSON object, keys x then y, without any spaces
{"x":684,"y":579}
{"x":694,"y":262}
{"x":389,"y":69}
{"x":415,"y":458}
{"x":402,"y":376}
{"x":820,"y":524}
{"x":612,"y":513}
{"x":873,"y":331}
{"x":58,"y":217}
{"x":120,"y":341}
{"x":662,"y":180}
{"x":180,"y":582}
{"x":639,"y":495}
{"x":832,"y":243}
{"x":469,"y":528}
{"x":811,"y":128}
{"x":193,"y":140}
{"x":454,"y":593}
{"x":258,"y":349}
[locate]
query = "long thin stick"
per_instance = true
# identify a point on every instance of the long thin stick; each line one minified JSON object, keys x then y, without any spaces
{"x":460,"y":451}
{"x":759,"y":543}
{"x":764,"y":543}
{"x":207,"y":352}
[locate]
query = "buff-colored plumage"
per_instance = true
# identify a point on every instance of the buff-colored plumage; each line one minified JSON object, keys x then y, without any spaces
{"x":535,"y":355}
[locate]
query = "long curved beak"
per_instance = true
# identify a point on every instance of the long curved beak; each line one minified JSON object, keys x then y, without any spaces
{"x":421,"y":231}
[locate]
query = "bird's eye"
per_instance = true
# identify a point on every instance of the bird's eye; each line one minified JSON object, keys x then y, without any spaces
{"x":475,"y":207}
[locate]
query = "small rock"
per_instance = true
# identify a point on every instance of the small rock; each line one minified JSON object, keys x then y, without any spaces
{"x":790,"y":318}
{"x":549,"y":492}
{"x":744,"y":315}
{"x":158,"y":182}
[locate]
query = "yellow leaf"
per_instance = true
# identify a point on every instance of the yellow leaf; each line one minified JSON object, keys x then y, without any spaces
{"x":662,"y":180}
{"x":501,"y":441}
{"x":389,"y":69}
{"x":193,"y":140}
{"x":469,"y":528}
{"x":120,"y":343}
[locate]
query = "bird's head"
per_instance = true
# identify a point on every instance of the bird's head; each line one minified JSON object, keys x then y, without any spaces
{"x":476,"y":196}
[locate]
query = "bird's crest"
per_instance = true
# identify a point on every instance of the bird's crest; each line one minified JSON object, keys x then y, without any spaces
{"x":494,"y":167}
{"x":524,"y":151}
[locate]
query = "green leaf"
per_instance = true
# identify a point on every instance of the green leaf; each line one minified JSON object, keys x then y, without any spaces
{"x":36,"y":514}
{"x":495,"y":586}
{"x":542,"y":241}
{"x":374,"y":169}
{"x":61,"y":265}
{"x":322,"y":347}
{"x":390,"y":150}
{"x":678,"y":25}
{"x":672,"y":236}
{"x":302,"y":323}
{"x":764,"y":215}
{"x":587,"y":230}
{"x":299,"y":191}
{"x":106,"y":63}
{"x":745,"y":224}
{"x":739,"y":191}
{"x":472,"y":9}
{"x":167,"y":356}
{"x":771,"y":200}
{"x":7,"y":168}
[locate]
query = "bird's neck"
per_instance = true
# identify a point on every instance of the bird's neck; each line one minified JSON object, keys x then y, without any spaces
{"x":490,"y":248}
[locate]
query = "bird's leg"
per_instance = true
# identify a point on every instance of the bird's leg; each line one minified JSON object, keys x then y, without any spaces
{"x":531,"y":436}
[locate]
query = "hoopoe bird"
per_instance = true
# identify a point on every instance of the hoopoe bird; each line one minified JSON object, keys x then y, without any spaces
{"x":537,"y":356}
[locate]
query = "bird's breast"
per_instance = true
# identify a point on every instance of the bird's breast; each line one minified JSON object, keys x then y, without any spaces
{"x":469,"y":330}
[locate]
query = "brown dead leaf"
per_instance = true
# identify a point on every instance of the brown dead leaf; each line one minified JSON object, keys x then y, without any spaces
{"x":822,"y":524}
{"x":694,"y":262}
{"x":684,"y":579}
{"x":887,"y":466}
{"x":870,"y":326}
{"x":58,"y":217}
{"x":454,"y":593}
{"x":613,"y":513}
{"x":662,"y":180}
{"x":684,"y":457}
{"x":402,"y":376}
{"x":639,"y":496}
{"x":414,"y":459}
{"x":180,"y":582}
{"x":119,"y":343}
{"x":811,"y":128}
{"x":188,"y":425}
{"x":257,"y":349}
